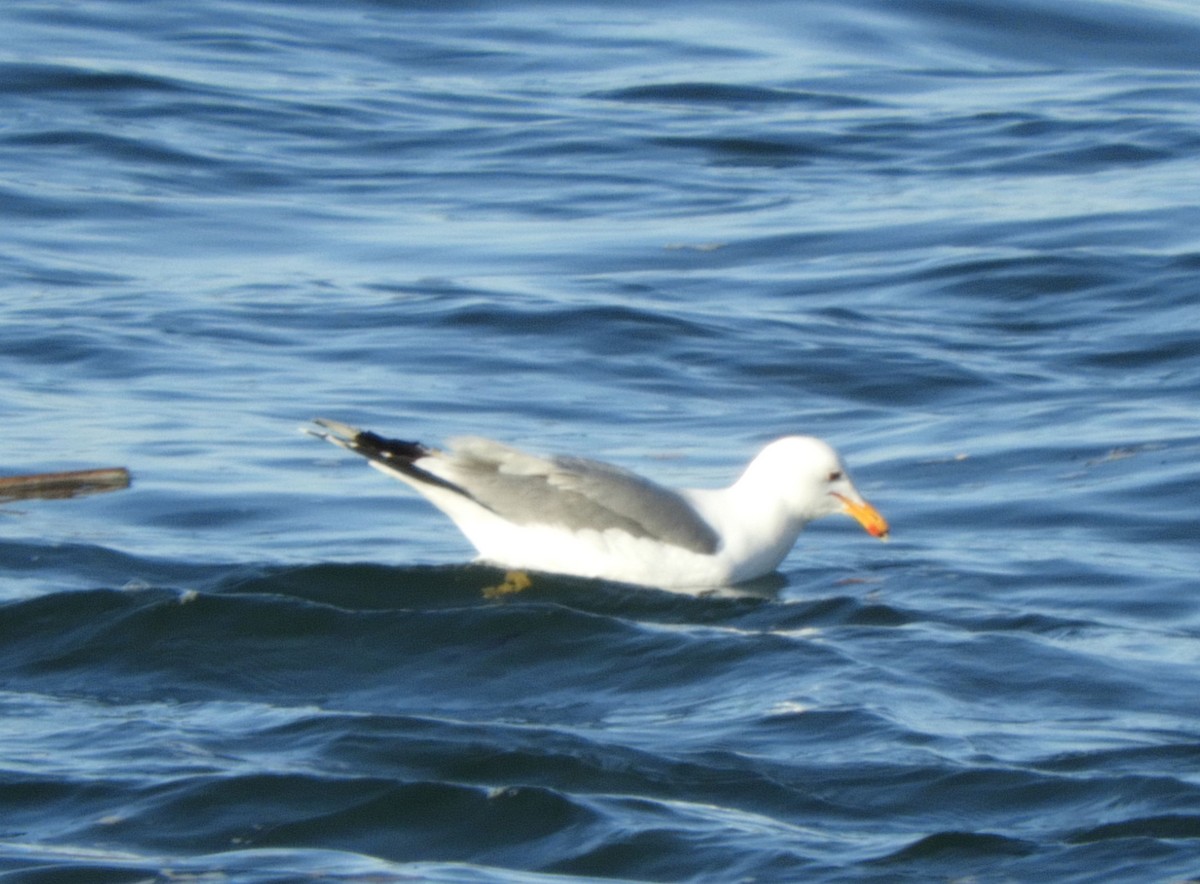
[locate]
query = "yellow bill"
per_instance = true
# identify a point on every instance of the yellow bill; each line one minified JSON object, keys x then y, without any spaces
{"x":867,"y":516}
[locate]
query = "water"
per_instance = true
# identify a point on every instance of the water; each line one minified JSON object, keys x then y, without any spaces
{"x":959,"y":240}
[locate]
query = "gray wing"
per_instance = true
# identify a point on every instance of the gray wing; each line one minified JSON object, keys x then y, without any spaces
{"x":573,"y":492}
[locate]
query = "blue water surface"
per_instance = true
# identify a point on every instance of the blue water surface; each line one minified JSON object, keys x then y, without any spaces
{"x":960,"y":240}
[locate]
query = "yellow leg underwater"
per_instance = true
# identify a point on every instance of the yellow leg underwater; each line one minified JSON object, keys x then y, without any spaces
{"x":514,"y":582}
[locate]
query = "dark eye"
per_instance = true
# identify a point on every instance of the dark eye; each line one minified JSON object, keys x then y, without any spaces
{"x":835,"y":475}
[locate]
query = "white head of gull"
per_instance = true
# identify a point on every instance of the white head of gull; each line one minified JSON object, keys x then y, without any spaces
{"x":572,"y":515}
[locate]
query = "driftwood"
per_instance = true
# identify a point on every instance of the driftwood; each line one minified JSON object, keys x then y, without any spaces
{"x":56,"y":486}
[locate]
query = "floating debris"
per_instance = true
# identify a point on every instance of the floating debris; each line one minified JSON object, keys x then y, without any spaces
{"x":59,"y":486}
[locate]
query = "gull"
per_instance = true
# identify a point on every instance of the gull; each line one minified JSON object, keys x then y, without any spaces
{"x":572,"y":515}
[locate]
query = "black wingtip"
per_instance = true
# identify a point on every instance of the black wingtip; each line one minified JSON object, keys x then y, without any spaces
{"x":393,"y":452}
{"x":370,"y":445}
{"x":378,"y":448}
{"x":396,"y":455}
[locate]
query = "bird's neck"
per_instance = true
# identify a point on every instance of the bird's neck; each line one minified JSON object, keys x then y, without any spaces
{"x":758,"y":530}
